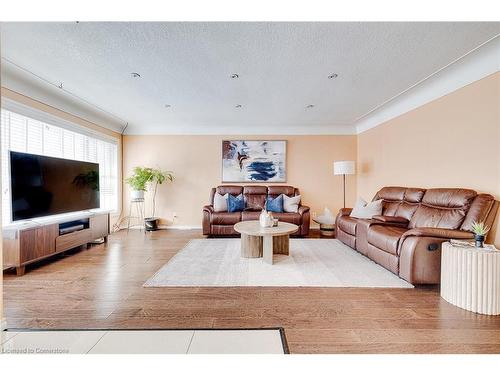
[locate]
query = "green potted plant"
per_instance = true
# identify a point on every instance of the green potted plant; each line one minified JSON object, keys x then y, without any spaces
{"x":138,"y":182}
{"x":480,"y":230}
{"x":143,"y":178}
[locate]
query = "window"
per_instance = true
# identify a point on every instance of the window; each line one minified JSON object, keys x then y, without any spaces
{"x":25,"y":134}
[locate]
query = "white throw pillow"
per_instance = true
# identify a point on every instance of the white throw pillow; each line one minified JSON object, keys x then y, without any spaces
{"x":363,"y":210}
{"x":220,"y":202}
{"x":291,"y":204}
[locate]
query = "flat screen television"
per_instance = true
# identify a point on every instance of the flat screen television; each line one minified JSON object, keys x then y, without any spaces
{"x":43,"y":185}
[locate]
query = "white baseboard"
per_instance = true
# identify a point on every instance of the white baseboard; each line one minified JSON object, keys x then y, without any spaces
{"x":3,"y":324}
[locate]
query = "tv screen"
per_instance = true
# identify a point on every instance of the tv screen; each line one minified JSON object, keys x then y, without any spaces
{"x":43,"y":185}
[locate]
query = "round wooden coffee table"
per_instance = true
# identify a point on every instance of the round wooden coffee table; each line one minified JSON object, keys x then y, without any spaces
{"x":258,"y":242}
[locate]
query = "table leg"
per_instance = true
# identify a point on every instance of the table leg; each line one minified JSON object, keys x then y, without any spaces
{"x":281,"y":244}
{"x":267,"y":245}
{"x":251,"y":246}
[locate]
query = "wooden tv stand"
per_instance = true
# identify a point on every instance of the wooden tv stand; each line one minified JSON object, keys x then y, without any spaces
{"x":33,"y":240}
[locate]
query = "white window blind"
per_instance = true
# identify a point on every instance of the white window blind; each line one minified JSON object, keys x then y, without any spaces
{"x":25,"y":134}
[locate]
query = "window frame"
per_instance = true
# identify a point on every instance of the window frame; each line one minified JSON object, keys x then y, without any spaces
{"x":53,"y":120}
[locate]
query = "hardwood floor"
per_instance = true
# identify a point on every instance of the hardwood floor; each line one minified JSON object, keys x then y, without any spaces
{"x":102,"y":288}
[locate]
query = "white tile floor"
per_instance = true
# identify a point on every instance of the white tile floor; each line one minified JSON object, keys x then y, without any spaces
{"x":147,"y":341}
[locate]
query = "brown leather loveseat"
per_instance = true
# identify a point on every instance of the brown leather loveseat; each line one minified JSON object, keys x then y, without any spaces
{"x":406,"y":239}
{"x":221,"y":223}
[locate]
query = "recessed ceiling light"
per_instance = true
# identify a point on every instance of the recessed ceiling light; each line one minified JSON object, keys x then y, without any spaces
{"x":135,"y":75}
{"x":333,"y":75}
{"x":238,"y":106}
{"x":167,"y":106}
{"x":310,"y":106}
{"x":234,"y":76}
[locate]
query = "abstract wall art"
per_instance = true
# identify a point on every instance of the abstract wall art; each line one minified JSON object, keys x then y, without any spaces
{"x":253,"y":161}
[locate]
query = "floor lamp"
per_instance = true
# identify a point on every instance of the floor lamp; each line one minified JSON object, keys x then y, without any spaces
{"x":344,"y":167}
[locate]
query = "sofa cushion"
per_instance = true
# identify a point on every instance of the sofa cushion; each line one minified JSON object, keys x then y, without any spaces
{"x":449,"y":198}
{"x":479,"y":210}
{"x":225,"y":218}
{"x":434,"y":217}
{"x":255,"y":202}
{"x":443,"y":208}
{"x":406,"y":210}
{"x":414,"y":195}
{"x":347,"y":224}
{"x":288,"y":217}
{"x":229,"y":189}
{"x":391,"y":193}
{"x":385,"y":237}
{"x":399,"y":201}
{"x":250,"y":215}
{"x":390,"y":219}
{"x":274,"y":191}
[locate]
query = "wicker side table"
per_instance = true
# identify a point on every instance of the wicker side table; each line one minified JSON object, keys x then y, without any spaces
{"x":470,"y":278}
{"x":326,"y":230}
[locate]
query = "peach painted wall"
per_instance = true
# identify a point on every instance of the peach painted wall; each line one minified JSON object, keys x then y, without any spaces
{"x":196,"y":162}
{"x":453,"y":141}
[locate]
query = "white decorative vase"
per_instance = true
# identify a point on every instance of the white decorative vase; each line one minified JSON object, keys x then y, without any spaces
{"x":137,"y":194}
{"x":265,"y":219}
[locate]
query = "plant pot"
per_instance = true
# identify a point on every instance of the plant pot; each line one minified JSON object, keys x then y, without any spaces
{"x":479,"y":240}
{"x":151,"y":223}
{"x":137,"y":195}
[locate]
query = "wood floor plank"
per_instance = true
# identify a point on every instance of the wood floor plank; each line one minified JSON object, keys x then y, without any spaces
{"x":102,"y":288}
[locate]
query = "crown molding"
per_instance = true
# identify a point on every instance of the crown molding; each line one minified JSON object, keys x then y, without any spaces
{"x":19,"y":81}
{"x":306,"y":129}
{"x":475,"y":65}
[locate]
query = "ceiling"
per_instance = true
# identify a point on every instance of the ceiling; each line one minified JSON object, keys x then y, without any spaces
{"x":282,"y":68}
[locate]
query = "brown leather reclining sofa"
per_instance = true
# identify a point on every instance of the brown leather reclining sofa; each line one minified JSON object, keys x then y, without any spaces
{"x":406,"y":239}
{"x":221,"y":223}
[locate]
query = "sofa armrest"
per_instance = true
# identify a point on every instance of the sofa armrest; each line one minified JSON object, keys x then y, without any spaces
{"x":439,"y":233}
{"x":345,"y":212}
{"x":391,"y":219}
{"x":208,"y":208}
{"x":302,"y":210}
{"x":420,"y":255}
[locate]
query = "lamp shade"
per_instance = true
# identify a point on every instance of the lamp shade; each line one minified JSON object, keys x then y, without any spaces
{"x":344,"y":167}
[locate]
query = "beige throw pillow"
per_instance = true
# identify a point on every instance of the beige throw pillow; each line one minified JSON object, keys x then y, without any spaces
{"x":364,"y":210}
{"x":220,"y":202}
{"x":291,"y":204}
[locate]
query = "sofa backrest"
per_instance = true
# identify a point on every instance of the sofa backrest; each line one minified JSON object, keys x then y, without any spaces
{"x":443,"y":208}
{"x":449,"y":208}
{"x":483,"y":209}
{"x":277,"y":190}
{"x":399,"y":201}
{"x":255,"y":195}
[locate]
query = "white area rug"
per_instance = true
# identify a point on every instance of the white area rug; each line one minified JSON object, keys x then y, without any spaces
{"x":312,"y":262}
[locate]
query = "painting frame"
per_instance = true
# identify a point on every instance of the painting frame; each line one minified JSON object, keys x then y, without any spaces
{"x":283,"y":162}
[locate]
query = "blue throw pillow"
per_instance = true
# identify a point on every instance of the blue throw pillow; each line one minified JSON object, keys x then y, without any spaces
{"x":235,"y":204}
{"x":274,"y":205}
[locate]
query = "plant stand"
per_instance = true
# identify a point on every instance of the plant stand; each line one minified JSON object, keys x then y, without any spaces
{"x":138,"y":206}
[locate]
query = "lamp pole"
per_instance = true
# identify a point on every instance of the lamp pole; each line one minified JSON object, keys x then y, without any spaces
{"x":344,"y":189}
{"x":344,"y":167}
